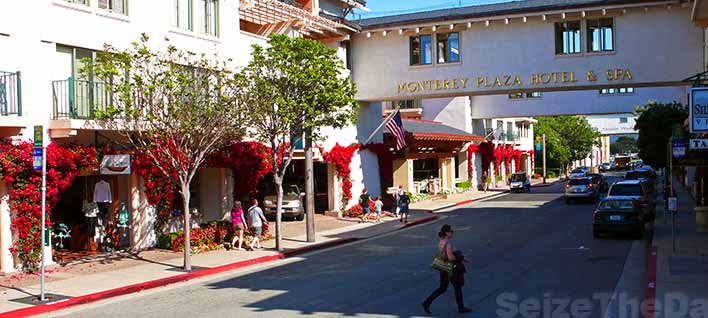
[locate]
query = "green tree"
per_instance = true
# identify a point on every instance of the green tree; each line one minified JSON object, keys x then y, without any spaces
{"x":295,"y":85}
{"x":176,"y":107}
{"x":655,"y":123}
{"x":568,"y":138}
{"x":624,"y":145}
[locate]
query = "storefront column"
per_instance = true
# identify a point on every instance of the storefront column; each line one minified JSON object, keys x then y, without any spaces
{"x":142,"y":216}
{"x":6,"y":260}
{"x":403,"y":174}
{"x":447,"y":173}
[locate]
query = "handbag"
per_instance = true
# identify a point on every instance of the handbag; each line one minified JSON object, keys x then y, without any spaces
{"x":442,"y":264}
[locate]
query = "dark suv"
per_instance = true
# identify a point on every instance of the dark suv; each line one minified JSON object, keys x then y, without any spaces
{"x":636,"y":190}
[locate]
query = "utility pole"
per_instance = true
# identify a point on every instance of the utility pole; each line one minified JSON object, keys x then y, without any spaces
{"x":309,"y":189}
{"x":544,"y":156}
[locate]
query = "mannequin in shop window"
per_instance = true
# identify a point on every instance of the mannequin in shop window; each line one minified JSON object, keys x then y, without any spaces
{"x":103,"y":197}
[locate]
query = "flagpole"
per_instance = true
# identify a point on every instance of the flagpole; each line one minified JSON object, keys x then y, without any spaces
{"x":382,"y":124}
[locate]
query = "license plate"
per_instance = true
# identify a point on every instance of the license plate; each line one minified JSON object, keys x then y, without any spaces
{"x":615,"y":217}
{"x":577,"y":190}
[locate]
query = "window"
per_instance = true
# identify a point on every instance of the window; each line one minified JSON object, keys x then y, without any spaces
{"x":615,"y":91}
{"x":521,"y":95}
{"x":405,"y":104}
{"x":421,"y":50}
{"x":182,"y":14}
{"x":568,"y":37}
{"x":448,"y":47}
{"x":623,"y":120}
{"x":600,"y":35}
{"x":206,"y":13}
{"x":115,"y":6}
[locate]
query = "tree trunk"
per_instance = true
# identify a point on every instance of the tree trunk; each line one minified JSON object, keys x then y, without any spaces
{"x":309,"y":190}
{"x":278,"y":213}
{"x":187,"y":228}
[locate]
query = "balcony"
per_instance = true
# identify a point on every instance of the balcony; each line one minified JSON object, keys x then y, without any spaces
{"x":79,"y":99}
{"x":10,"y":94}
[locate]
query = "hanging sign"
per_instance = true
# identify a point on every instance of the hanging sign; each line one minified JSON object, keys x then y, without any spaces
{"x":37,"y":158}
{"x":698,"y":114}
{"x":115,"y":164}
{"x":679,"y":147}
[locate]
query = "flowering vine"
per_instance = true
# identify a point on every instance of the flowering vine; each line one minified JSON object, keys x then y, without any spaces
{"x":341,"y":158}
{"x":64,"y":163}
{"x":249,"y":159}
{"x":471,"y":149}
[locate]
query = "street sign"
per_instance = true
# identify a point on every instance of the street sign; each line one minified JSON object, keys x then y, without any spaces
{"x":673,"y":204}
{"x":698,"y":114}
{"x":37,"y":158}
{"x":698,"y":144}
{"x":679,"y":147}
{"x":38,"y":136}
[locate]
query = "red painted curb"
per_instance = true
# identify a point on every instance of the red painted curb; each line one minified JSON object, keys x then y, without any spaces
{"x":124,"y":290}
{"x":650,"y":279}
{"x":464,"y":202}
{"x":423,"y":220}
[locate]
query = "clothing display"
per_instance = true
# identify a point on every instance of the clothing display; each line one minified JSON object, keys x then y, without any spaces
{"x":90,"y":210}
{"x":102,"y":192}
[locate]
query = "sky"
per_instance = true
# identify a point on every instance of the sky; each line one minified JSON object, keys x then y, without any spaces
{"x":395,"y":7}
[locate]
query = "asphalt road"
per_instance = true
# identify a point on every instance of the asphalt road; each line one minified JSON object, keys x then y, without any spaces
{"x":530,"y":254}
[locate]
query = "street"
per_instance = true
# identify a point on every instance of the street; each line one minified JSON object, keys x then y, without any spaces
{"x":523,"y":247}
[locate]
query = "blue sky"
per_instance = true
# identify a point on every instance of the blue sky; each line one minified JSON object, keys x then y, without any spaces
{"x":395,"y":7}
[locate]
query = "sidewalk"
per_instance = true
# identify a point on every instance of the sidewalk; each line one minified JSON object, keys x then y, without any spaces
{"x":471,"y":196}
{"x":685,"y":271}
{"x":142,"y":273}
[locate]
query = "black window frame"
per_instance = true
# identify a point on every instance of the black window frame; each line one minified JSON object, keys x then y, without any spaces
{"x":600,"y":25}
{"x":562,"y":32}
{"x":411,"y":51}
{"x":447,"y":51}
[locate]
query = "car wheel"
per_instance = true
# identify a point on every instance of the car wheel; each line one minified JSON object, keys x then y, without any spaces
{"x":301,"y":217}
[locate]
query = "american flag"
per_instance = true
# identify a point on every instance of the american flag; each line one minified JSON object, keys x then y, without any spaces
{"x":395,"y":126}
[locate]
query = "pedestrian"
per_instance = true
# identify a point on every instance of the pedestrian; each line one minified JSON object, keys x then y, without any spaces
{"x":405,"y":202}
{"x":378,"y":205}
{"x":399,"y":194}
{"x":485,"y":179}
{"x":447,"y":251}
{"x":256,"y":220}
{"x":239,"y":225}
{"x":364,"y":200}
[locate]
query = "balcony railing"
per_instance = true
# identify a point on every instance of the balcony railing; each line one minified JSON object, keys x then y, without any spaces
{"x":79,"y":99}
{"x":10,"y":94}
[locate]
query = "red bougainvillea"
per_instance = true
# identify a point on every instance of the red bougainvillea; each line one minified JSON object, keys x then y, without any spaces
{"x":486,"y":150}
{"x":161,"y":191}
{"x":516,"y":155}
{"x":250,"y":162}
{"x":341,"y":158}
{"x":25,"y":194}
{"x":471,"y":149}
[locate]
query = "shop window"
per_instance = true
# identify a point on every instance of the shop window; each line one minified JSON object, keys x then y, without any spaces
{"x":425,"y":169}
{"x":456,"y":164}
{"x":421,"y":50}
{"x":600,"y":34}
{"x":448,"y":47}
{"x":567,"y":37}
{"x":115,"y":6}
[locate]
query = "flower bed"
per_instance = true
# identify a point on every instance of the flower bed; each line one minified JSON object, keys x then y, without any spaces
{"x":207,"y":237}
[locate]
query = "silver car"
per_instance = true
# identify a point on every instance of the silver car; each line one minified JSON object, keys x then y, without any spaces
{"x":293,"y":206}
{"x":581,"y":189}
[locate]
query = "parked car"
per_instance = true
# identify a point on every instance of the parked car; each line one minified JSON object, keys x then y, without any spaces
{"x":293,"y":206}
{"x":645,"y":175}
{"x":636,"y":190}
{"x":579,"y":172}
{"x":581,"y":188}
{"x":605,"y":167}
{"x":520,"y":182}
{"x":618,"y":214}
{"x":599,"y":181}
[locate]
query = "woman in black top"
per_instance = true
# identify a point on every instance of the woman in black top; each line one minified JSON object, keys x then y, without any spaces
{"x":457,"y":279}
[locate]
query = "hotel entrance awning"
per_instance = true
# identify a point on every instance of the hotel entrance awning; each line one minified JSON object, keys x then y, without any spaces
{"x":431,"y":139}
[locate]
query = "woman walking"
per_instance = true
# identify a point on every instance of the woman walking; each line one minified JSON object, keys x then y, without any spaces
{"x":457,"y":278}
{"x":239,"y":225}
{"x":256,"y":220}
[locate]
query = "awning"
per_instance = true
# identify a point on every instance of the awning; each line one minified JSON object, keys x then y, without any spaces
{"x":431,"y":139}
{"x":275,"y":14}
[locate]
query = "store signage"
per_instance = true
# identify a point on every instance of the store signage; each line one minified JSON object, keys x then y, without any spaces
{"x":115,"y":165}
{"x":502,"y":81}
{"x":37,"y":158}
{"x":679,"y":147}
{"x":698,"y":144}
{"x":699,"y":110}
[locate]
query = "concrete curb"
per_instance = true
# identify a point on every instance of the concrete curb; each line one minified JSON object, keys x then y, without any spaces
{"x":544,"y":185}
{"x":650,"y":279}
{"x":468,"y":201}
{"x":420,"y":221}
{"x":135,"y":288}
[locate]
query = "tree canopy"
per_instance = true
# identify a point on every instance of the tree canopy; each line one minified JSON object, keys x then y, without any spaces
{"x":624,"y":145}
{"x":655,"y":124}
{"x":568,"y":138}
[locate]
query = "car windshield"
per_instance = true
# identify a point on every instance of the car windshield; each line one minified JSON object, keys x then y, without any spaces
{"x":616,"y":204}
{"x":579,"y":182}
{"x":292,"y":190}
{"x":626,"y":189}
{"x":634,"y":175}
{"x":578,"y":170}
{"x":518,"y":177}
